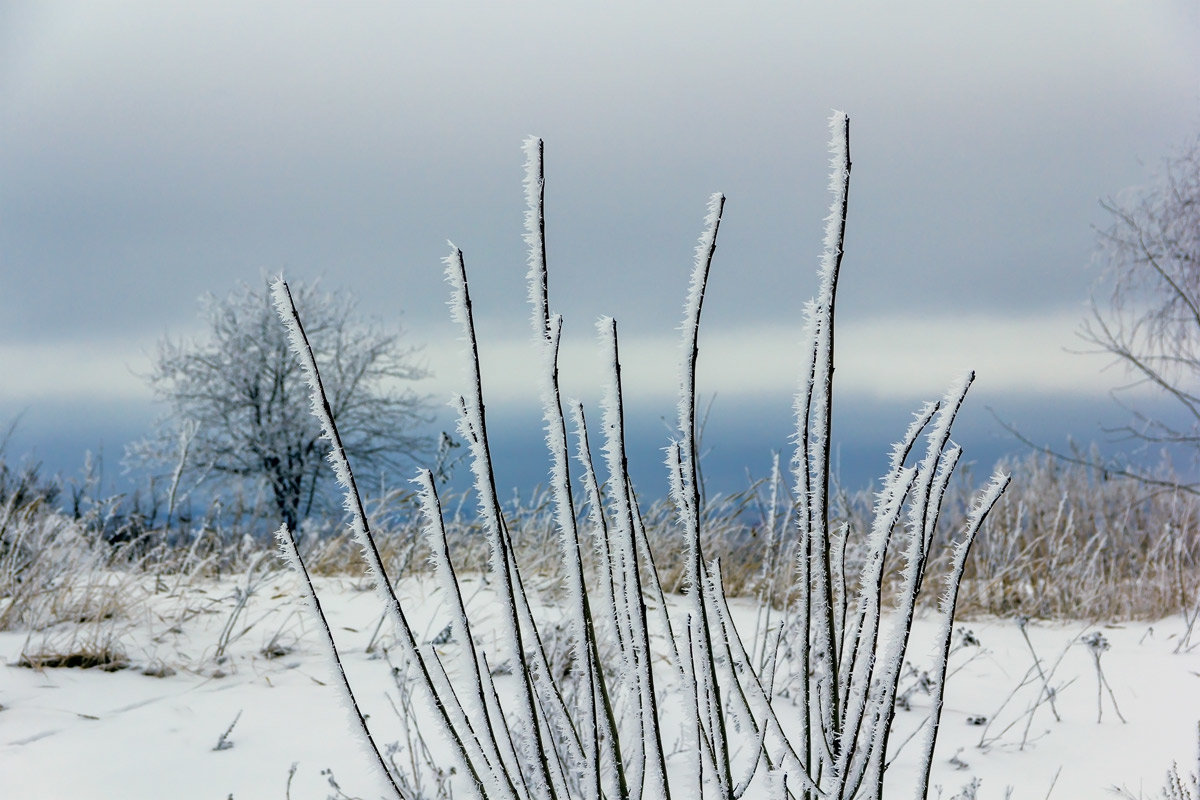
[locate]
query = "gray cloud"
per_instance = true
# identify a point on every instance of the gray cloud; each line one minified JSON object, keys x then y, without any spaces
{"x":153,"y":152}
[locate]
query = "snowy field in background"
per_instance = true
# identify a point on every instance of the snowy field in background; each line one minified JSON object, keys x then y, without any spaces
{"x":73,"y":733}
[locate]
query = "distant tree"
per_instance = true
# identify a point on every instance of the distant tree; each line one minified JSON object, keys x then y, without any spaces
{"x":1147,"y":312}
{"x":238,"y":403}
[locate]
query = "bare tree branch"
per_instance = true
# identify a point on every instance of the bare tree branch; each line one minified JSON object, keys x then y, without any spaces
{"x":1091,"y":463}
{"x":1146,"y":309}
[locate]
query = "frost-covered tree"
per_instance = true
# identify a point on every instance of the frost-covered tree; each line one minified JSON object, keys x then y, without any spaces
{"x":239,"y":406}
{"x":1147,"y":309}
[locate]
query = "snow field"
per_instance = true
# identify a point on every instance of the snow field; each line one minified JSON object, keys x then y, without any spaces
{"x":76,"y":733}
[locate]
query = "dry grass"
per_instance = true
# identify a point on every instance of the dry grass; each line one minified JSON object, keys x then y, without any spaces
{"x":106,"y":657}
{"x":1062,"y":543}
{"x":1066,"y":542}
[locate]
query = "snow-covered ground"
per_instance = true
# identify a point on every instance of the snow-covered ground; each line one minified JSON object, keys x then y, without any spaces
{"x":87,"y":733}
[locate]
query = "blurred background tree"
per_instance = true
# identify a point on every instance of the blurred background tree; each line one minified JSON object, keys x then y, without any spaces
{"x":238,"y":406}
{"x":1146,"y":308}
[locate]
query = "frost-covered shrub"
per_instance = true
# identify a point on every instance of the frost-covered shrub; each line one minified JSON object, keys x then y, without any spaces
{"x":54,"y":569}
{"x":1067,"y":541}
{"x":669,"y":696}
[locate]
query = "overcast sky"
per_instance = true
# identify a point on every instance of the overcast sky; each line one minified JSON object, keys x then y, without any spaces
{"x":151,"y":152}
